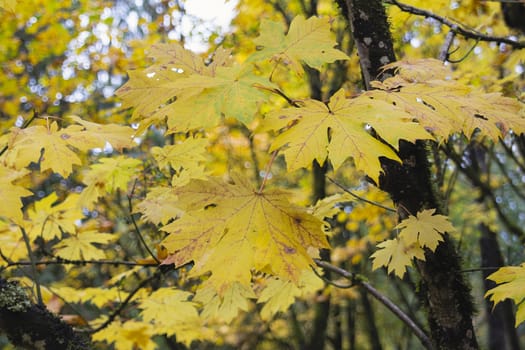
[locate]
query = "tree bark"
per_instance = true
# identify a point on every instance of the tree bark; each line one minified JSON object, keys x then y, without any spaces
{"x":31,"y":326}
{"x":443,"y":288}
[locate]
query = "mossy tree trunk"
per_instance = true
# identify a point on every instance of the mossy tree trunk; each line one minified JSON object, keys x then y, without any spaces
{"x":444,"y":291}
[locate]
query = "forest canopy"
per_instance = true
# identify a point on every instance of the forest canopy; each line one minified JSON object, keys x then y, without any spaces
{"x":321,"y":175}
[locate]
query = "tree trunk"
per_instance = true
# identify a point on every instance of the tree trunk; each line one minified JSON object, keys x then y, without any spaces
{"x":31,"y":326}
{"x":443,"y":288}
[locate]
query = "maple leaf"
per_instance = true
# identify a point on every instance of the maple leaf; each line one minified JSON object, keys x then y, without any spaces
{"x":12,"y":244}
{"x":88,"y":135}
{"x":185,"y":158}
{"x":80,"y":246}
{"x":47,"y":218}
{"x":55,"y":147}
{"x":158,"y":308}
{"x":95,"y":296}
{"x":231,"y":92}
{"x":425,"y":228}
{"x":232,"y":224}
{"x":444,"y":106}
{"x":511,"y":285}
{"x":338,"y":130}
{"x":128,"y":335}
{"x":278,"y":295}
{"x":11,"y":194}
{"x":159,"y":206}
{"x":227,"y":305}
{"x":107,"y":176}
{"x":396,"y":255}
{"x":307,"y":40}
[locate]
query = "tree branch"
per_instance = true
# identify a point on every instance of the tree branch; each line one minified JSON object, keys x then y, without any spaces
{"x":457,"y":28}
{"x":357,"y":280}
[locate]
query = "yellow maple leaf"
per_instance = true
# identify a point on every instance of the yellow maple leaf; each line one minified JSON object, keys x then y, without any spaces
{"x":425,"y":229}
{"x":396,"y":255}
{"x":11,"y":194}
{"x":308,"y":40}
{"x":47,"y":218}
{"x":107,"y":176}
{"x":80,"y":246}
{"x":339,"y":130}
{"x":12,"y":244}
{"x":232,"y":224}
{"x":159,"y":206}
{"x":185,"y":158}
{"x":87,"y":135}
{"x":56,"y":148}
{"x":231,"y":91}
{"x":225,"y":307}
{"x":128,"y":335}
{"x":444,"y":106}
{"x":511,"y":285}
{"x":172,"y":313}
{"x":96,"y":296}
{"x":278,"y":295}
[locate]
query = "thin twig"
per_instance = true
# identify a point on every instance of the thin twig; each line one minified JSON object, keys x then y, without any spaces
{"x":33,"y":266}
{"x":425,"y":340}
{"x":126,"y":301}
{"x":78,"y":262}
{"x":458,"y":29}
{"x":444,"y":52}
{"x":361,"y":198}
{"x":137,"y":230}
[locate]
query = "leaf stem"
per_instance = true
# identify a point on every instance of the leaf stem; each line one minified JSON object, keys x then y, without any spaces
{"x":267,"y":171}
{"x":137,"y":230}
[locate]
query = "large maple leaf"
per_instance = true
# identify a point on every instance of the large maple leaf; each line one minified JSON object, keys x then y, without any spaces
{"x":230,"y":229}
{"x":308,"y":40}
{"x":424,"y":88}
{"x":341,"y":129}
{"x":56,"y":148}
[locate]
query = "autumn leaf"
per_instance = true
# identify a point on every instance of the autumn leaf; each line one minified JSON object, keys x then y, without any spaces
{"x":396,"y":255}
{"x":278,"y":295}
{"x":224,"y":307}
{"x":186,"y":158}
{"x":128,"y":335}
{"x":80,"y":246}
{"x":12,"y":243}
{"x":232,"y":92}
{"x":159,"y":206}
{"x":308,"y":40}
{"x":56,"y":148}
{"x":11,"y":194}
{"x":339,"y":130}
{"x":107,"y":176}
{"x":232,"y":224}
{"x":426,"y":229}
{"x":511,"y":285}
{"x":158,"y":309}
{"x":98,"y":297}
{"x":48,"y":218}
{"x":444,"y":106}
